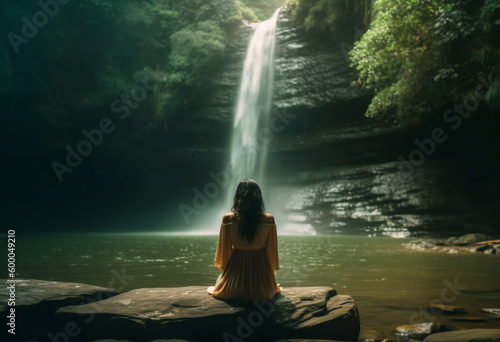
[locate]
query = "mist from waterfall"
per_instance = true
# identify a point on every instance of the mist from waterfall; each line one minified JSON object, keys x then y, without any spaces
{"x":253,"y":107}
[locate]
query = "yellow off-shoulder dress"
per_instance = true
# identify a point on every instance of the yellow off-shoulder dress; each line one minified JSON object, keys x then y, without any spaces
{"x":247,"y":269}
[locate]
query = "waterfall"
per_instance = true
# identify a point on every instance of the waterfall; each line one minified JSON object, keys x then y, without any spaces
{"x":252,"y":111}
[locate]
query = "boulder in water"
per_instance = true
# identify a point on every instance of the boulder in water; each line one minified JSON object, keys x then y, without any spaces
{"x":494,"y":311}
{"x":485,"y":249}
{"x":419,"y":331}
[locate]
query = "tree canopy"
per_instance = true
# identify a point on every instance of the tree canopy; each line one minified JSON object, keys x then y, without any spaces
{"x":100,"y":47}
{"x":416,"y":55}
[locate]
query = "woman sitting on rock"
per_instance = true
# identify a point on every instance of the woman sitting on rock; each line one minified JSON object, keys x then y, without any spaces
{"x":247,"y":251}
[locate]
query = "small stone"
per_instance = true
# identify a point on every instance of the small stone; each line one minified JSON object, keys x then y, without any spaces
{"x":469,"y":319}
{"x":446,"y":309}
{"x":422,"y":244}
{"x":494,"y":311}
{"x":491,"y":250}
{"x":467,"y":239}
{"x":419,"y":331}
{"x":468,"y":335}
{"x":371,"y":336}
{"x":484,"y":248}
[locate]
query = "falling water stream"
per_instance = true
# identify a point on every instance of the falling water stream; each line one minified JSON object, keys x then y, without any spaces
{"x":253,"y":107}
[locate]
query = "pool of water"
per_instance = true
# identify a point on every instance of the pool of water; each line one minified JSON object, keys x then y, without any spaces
{"x":389,"y":283}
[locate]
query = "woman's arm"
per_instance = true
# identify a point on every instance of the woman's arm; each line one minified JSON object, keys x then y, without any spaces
{"x":224,"y":245}
{"x":272,"y":246}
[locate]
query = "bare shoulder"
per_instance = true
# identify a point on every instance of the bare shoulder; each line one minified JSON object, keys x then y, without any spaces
{"x":267,"y":218}
{"x":228,"y":218}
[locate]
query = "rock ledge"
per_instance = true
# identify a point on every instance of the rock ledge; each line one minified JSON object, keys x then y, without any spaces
{"x":189,"y":313}
{"x":61,"y":311}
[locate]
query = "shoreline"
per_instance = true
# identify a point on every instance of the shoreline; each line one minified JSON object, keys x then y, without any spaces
{"x":469,"y":243}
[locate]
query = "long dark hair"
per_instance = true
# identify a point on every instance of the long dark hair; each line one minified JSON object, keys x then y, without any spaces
{"x":248,"y":207}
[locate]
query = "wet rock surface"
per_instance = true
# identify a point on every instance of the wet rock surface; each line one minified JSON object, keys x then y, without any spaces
{"x":36,"y":302}
{"x":418,"y":332}
{"x":462,"y":244}
{"x":190,"y":313}
{"x":472,"y":335}
{"x":328,"y":165}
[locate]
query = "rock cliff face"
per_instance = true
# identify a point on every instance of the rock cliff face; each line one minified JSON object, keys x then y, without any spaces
{"x":330,"y":169}
{"x":344,"y":172}
{"x":311,"y":74}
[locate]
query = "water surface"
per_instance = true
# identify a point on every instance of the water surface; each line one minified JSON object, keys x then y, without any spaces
{"x":389,"y":282}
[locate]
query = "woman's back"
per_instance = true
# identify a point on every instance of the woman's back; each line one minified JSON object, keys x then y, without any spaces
{"x":247,"y":266}
{"x":266,"y":225}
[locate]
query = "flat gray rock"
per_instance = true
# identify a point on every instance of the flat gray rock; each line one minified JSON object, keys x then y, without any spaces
{"x":470,"y":335}
{"x":409,"y":333}
{"x":38,"y":300}
{"x":190,"y":313}
{"x":371,"y":336}
{"x":33,"y":292}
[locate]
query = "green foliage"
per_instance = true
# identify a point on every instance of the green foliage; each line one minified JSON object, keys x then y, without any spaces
{"x":224,"y":12}
{"x":323,"y":15}
{"x":337,"y":19}
{"x":202,"y":31}
{"x":194,"y":49}
{"x":262,"y":9}
{"x":397,"y":41}
{"x":490,"y":14}
{"x":248,"y":14}
{"x":93,"y":50}
{"x":452,"y":25}
{"x":97,"y":46}
{"x":420,"y":55}
{"x":417,"y":55}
